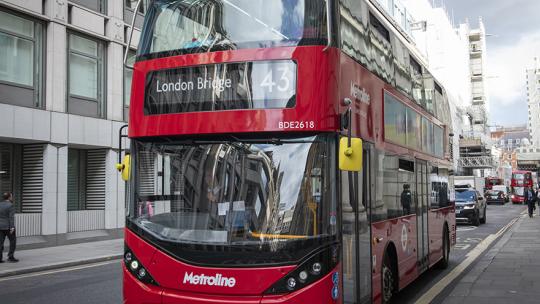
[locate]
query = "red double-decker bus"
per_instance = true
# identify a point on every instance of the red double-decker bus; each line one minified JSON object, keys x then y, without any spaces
{"x":282,"y":151}
{"x":520,"y":180}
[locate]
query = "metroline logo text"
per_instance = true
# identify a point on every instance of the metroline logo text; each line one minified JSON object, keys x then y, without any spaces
{"x":202,"y":279}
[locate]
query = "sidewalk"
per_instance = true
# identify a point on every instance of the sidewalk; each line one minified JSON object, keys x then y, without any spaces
{"x":48,"y":258}
{"x":507,"y":273}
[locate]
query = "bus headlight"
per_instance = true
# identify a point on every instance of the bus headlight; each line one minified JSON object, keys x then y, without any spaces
{"x":291,"y":283}
{"x":303,"y":275}
{"x":309,"y":271}
{"x":316,"y":268}
{"x":135,"y":267}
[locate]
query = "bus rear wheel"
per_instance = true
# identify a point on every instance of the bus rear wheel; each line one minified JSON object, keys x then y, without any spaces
{"x":388,"y":278}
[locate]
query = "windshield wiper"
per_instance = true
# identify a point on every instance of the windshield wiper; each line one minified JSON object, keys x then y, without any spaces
{"x":272,"y":140}
{"x":231,"y":139}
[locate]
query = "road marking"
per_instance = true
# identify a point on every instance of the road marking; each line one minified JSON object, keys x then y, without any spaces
{"x":73,"y":268}
{"x":462,"y":246}
{"x":466,"y":228}
{"x":470,"y":258}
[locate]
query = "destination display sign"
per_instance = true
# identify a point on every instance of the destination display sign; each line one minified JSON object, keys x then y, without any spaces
{"x":226,"y":86}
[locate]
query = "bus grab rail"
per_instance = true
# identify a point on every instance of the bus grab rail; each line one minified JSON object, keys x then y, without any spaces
{"x":131,"y":32}
{"x":120,"y":137}
{"x":328,"y":25}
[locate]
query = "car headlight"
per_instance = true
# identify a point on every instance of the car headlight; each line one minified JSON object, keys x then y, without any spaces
{"x":469,"y":206}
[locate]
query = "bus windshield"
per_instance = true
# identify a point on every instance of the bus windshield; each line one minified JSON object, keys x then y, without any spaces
{"x":258,"y":195}
{"x":196,"y":26}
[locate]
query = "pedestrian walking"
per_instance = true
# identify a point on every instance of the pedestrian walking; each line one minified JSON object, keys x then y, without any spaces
{"x":529,"y":197}
{"x":7,"y":227}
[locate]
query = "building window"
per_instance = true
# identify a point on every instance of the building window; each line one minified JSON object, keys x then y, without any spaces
{"x":76,"y":164}
{"x":21,"y":53}
{"x":131,"y":4}
{"x":128,"y":74}
{"x":86,"y":76}
{"x":99,"y":6}
{"x":129,"y":7}
{"x":86,"y":180}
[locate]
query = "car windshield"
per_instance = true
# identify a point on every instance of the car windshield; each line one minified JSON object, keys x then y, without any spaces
{"x":196,"y":26}
{"x":263,"y":195}
{"x":465,"y":196}
{"x":493,"y":192}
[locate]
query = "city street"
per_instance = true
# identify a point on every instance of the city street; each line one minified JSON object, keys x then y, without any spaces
{"x":467,"y":238}
{"x":287,"y":151}
{"x":101,"y":283}
{"x":96,"y":283}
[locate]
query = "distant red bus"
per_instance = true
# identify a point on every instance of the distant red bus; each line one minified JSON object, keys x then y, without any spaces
{"x":520,"y":180}
{"x":493,"y":181}
{"x":245,"y":185}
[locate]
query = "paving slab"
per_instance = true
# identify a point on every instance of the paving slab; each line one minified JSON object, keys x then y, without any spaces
{"x":42,"y":259}
{"x":508,"y":273}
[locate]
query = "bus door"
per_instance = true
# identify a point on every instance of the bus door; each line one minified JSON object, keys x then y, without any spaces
{"x":356,"y":201}
{"x":422,"y":215}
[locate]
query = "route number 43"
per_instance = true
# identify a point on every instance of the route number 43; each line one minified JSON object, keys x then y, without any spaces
{"x":282,"y":84}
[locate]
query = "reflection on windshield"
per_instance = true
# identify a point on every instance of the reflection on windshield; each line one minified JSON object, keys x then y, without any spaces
{"x":231,"y":193}
{"x":211,"y":25}
{"x":465,"y":196}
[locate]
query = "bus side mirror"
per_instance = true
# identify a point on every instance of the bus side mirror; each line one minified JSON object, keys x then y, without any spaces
{"x":125,"y":167}
{"x":350,"y":155}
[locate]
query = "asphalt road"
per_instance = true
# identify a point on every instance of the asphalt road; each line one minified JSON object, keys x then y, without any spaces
{"x":468,"y":237}
{"x":102,"y":283}
{"x":99,"y":283}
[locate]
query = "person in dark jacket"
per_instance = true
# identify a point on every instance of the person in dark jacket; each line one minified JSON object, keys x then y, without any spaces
{"x":7,"y":227}
{"x":406,"y":198}
{"x":529,"y":197}
{"x":537,"y":199}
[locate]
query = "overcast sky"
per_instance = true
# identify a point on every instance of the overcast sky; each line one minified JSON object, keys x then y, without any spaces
{"x":515,"y":26}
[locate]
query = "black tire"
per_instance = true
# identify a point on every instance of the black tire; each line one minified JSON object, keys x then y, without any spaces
{"x":388,"y":280}
{"x":443,"y":263}
{"x":484,"y":219}
{"x":476,"y":219}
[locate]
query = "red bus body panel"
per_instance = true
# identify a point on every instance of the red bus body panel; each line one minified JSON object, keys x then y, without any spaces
{"x":316,"y":85}
{"x":249,"y":289}
{"x":401,"y":233}
{"x":324,"y":79}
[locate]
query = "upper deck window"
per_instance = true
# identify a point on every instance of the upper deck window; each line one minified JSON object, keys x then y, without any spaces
{"x":188,"y":26}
